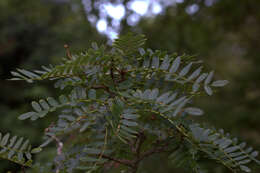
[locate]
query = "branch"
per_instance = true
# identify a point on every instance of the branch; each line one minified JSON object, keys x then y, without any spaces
{"x":68,"y":51}
{"x":122,"y":74}
{"x":121,"y":161}
{"x":59,"y":145}
{"x":139,"y":142}
{"x":112,"y":71}
{"x":154,"y":150}
{"x":106,"y":88}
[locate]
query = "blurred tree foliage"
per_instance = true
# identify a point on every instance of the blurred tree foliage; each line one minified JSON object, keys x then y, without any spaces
{"x":225,"y":34}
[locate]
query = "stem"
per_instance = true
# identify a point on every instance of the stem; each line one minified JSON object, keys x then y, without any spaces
{"x":136,"y":149}
{"x":121,"y":161}
{"x":66,"y":46}
{"x":112,"y":71}
{"x":106,"y":88}
{"x":139,"y":142}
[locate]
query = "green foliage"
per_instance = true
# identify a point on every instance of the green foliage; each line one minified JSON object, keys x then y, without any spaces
{"x":223,"y":148}
{"x":128,"y":103}
{"x":128,"y":47}
{"x":16,"y":149}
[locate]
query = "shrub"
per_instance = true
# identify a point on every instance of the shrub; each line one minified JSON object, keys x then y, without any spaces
{"x":125,"y":104}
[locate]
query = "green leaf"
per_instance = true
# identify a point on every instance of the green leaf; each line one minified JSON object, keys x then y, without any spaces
{"x":44,"y":104}
{"x":63,"y":99}
{"x":94,"y":46}
{"x":231,"y":149}
{"x":42,"y":114}
{"x":242,"y":145}
{"x":46,"y":142}
{"x":130,"y":116}
{"x":68,"y":117}
{"x":163,"y":97}
{"x":244,"y":161}
{"x":129,"y":130}
{"x":154,"y":94}
{"x":225,"y":143}
{"x":209,"y":78}
{"x":141,"y":51}
{"x":34,"y":117}
{"x":254,"y":154}
{"x":28,"y":155}
{"x":52,"y":102}
{"x":248,"y":150}
{"x":18,"y":75}
{"x":18,"y":143}
{"x":12,"y":141}
{"x":79,"y":112}
{"x":175,"y":65}
{"x":193,"y":111}
{"x":219,"y":83}
{"x":170,"y":99}
{"x":146,"y":94}
{"x":20,"y":156}
{"x":129,"y":123}
{"x":84,"y":127}
{"x":201,"y":77}
{"x":179,"y":107}
{"x":5,"y":139}
{"x":178,"y":101}
{"x":92,"y":94}
{"x":26,"y":115}
{"x":126,"y":134}
{"x":245,"y":168}
{"x":185,"y":70}
{"x":235,"y":154}
{"x":146,"y":62}
{"x":15,"y":78}
{"x":36,"y":106}
{"x":208,"y":90}
{"x":25,"y":145}
{"x":36,"y":150}
{"x":166,"y":63}
{"x":92,"y":150}
{"x":81,"y":92}
{"x":195,"y":87}
{"x":155,"y":62}
{"x":10,"y":154}
{"x":195,"y":74}
{"x":28,"y":73}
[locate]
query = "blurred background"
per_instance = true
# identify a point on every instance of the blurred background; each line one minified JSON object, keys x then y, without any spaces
{"x":224,"y":34}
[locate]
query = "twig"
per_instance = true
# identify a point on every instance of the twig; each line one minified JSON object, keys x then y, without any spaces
{"x":139,"y":142}
{"x":155,"y":150}
{"x":58,"y":142}
{"x":105,"y":88}
{"x":66,"y":46}
{"x":112,"y":71}
{"x":121,"y":161}
{"x":122,"y":73}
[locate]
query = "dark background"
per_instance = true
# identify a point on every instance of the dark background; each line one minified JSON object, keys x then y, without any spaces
{"x":224,"y":34}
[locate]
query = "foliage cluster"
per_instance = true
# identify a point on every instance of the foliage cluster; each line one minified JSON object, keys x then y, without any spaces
{"x":124,"y":105}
